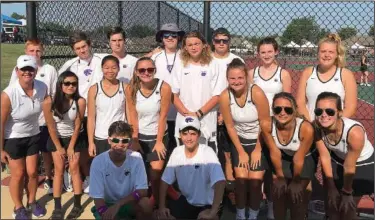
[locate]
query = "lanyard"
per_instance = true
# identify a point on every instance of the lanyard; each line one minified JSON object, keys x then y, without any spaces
{"x":170,"y":67}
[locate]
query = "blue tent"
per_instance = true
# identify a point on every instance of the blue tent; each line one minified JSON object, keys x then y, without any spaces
{"x":9,"y":20}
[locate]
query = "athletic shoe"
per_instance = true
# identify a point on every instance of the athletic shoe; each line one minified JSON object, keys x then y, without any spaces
{"x":361,"y":84}
{"x":75,"y":213}
{"x":48,"y":186}
{"x":368,"y":84}
{"x":21,"y":213}
{"x":37,"y":210}
{"x":67,"y":183}
{"x":86,"y":185}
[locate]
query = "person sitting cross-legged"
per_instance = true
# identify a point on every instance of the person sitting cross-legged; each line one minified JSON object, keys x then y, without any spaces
{"x":199,"y":175}
{"x":118,"y":180}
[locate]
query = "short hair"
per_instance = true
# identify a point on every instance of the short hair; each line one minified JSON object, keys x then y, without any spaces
{"x":116,"y":30}
{"x":34,"y":42}
{"x":120,"y":128}
{"x":77,"y":37}
{"x":222,"y":31}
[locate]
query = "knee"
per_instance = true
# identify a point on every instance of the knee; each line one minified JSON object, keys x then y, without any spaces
{"x":145,"y":206}
{"x":32,"y":174}
{"x":74,"y":169}
{"x":17,"y":174}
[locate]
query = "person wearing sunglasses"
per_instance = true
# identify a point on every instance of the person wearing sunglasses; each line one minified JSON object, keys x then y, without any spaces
{"x":149,"y":99}
{"x":21,"y":106}
{"x":64,"y":113}
{"x":289,"y":139}
{"x":197,"y":171}
{"x":118,"y":180}
{"x":244,"y":107}
{"x":347,"y":157}
{"x":272,"y":79}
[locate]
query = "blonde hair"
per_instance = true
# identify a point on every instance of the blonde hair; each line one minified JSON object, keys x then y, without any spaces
{"x":205,"y":57}
{"x":34,"y":42}
{"x":335,"y":38}
{"x":135,"y":82}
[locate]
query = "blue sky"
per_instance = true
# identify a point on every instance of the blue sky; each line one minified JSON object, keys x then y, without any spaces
{"x":9,"y":8}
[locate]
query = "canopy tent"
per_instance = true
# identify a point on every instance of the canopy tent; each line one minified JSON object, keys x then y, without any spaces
{"x":357,"y":46}
{"x":8,"y":20}
{"x":308,"y":44}
{"x":292,"y":45}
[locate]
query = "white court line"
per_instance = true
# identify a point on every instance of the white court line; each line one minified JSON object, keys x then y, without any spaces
{"x":366,"y":102}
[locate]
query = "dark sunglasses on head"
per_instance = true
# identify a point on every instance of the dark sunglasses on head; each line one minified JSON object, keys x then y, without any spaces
{"x":118,"y":140}
{"x":167,"y":35}
{"x":277,"y":110}
{"x":143,"y":70}
{"x":218,"y":41}
{"x":329,"y":111}
{"x":74,"y":84}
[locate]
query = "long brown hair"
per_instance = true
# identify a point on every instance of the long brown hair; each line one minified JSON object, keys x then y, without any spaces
{"x":135,"y":83}
{"x":205,"y":57}
{"x":335,"y":38}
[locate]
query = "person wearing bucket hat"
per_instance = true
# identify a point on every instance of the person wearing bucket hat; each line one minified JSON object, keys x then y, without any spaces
{"x":192,"y":164}
{"x":21,"y":105}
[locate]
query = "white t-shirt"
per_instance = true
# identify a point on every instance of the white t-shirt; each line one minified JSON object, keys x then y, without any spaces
{"x":195,"y":176}
{"x":223,"y":65}
{"x":126,"y":72}
{"x":112,"y":183}
{"x":196,"y":85}
{"x":25,"y":110}
{"x":65,"y":126}
{"x":46,"y":74}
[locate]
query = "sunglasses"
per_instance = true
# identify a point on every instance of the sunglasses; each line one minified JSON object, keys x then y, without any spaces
{"x":167,"y":35}
{"x":144,"y":70}
{"x":329,"y":111}
{"x":118,"y":140}
{"x":277,"y":110}
{"x":218,"y":41}
{"x":74,"y":84}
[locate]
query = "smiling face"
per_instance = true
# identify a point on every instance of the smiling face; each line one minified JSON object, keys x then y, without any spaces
{"x":194,"y":46}
{"x":110,"y":70}
{"x":237,"y":79}
{"x":170,"y":40}
{"x":283,"y":110}
{"x":145,"y":71}
{"x":327,"y":54}
{"x":119,"y":144}
{"x":190,"y":138}
{"x":69,"y":85}
{"x":326,"y":113}
{"x":26,"y":74}
{"x":267,"y":54}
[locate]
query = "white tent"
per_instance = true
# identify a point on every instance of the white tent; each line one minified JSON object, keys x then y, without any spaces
{"x":292,"y":45}
{"x":357,"y":46}
{"x":308,"y":44}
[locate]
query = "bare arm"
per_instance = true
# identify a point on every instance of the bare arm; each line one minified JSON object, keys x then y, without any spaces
{"x":164,"y":108}
{"x":261,"y":103}
{"x":133,"y":116}
{"x":218,"y":195}
{"x":163,"y":194}
{"x":286,"y":81}
{"x":78,"y":122}
{"x":350,"y":86}
{"x":50,"y":121}
{"x":210,"y":104}
{"x":325,"y":159}
{"x":179,"y":105}
{"x":301,"y":93}
{"x":251,"y":76}
{"x":6,"y":108}
{"x":91,"y":113}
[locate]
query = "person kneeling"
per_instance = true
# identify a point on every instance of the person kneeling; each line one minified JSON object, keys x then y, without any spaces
{"x":118,"y":180}
{"x":199,"y":175}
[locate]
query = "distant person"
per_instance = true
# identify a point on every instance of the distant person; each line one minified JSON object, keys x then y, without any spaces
{"x":48,"y":75}
{"x":364,"y":69}
{"x":118,"y":179}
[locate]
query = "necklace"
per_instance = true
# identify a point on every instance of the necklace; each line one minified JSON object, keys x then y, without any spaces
{"x":170,"y":67}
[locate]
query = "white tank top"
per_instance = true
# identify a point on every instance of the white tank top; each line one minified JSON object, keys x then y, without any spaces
{"x":314,"y":86}
{"x":340,"y":149}
{"x":245,"y":118}
{"x":148,"y":110}
{"x":65,"y":127}
{"x":293,"y":145}
{"x":269,"y":86}
{"x":108,"y":110}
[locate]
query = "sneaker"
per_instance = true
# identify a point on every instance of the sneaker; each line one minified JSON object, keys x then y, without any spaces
{"x":48,"y":186}
{"x":21,"y":213}
{"x":361,"y":84}
{"x":67,"y":183}
{"x":37,"y":210}
{"x":368,"y":84}
{"x":57,"y":214}
{"x":75,"y":213}
{"x":86,"y":185}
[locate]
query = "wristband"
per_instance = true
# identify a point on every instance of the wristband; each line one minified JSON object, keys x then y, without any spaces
{"x":201,"y":113}
{"x":102,"y":209}
{"x":136,"y":196}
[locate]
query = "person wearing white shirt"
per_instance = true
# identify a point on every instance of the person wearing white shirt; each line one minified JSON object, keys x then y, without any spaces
{"x":48,"y":75}
{"x":199,"y":176}
{"x":118,"y":178}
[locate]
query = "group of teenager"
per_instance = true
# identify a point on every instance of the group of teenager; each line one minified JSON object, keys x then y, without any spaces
{"x":165,"y":135}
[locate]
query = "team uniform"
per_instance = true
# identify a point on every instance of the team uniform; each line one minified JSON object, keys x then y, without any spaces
{"x":201,"y":171}
{"x":223,"y":65}
{"x":314,"y":86}
{"x":108,"y":110}
{"x":65,"y":129}
{"x":363,"y":180}
{"x":113,"y":183}
{"x":165,"y":64}
{"x":148,"y":111}
{"x":21,"y":132}
{"x":126,"y":72}
{"x":270,"y":86}
{"x":246,"y":124}
{"x":48,"y":75}
{"x":196,"y":85}
{"x":289,"y":149}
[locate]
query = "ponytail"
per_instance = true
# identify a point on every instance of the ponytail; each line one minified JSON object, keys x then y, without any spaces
{"x":335,"y":38}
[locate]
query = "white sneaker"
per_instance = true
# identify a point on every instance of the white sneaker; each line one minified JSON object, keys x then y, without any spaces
{"x":48,"y":187}
{"x":361,"y":84}
{"x":67,"y":183}
{"x":368,"y":84}
{"x":86,"y":185}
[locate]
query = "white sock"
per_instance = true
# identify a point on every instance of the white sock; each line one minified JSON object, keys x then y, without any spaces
{"x":253,"y":214}
{"x":270,"y":210}
{"x":240,"y":214}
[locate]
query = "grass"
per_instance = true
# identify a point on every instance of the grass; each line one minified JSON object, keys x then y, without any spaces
{"x":9,"y":55}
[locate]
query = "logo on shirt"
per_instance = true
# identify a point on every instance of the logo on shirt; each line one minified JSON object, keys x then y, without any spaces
{"x":336,"y":79}
{"x":124,"y":66}
{"x":294,"y":141}
{"x":42,"y":75}
{"x":107,"y":174}
{"x":343,"y":141}
{"x":127,"y":172}
{"x":189,"y":119}
{"x":186,"y":73}
{"x":157,"y":92}
{"x":120,"y":92}
{"x":196,"y":166}
{"x":74,"y":108}
{"x":203,"y":73}
{"x":276,"y":80}
{"x":87,"y":72}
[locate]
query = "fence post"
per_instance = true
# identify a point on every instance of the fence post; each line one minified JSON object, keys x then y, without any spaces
{"x":206,"y":20}
{"x":158,"y":16}
{"x":31,"y":19}
{"x":119,"y":16}
{"x":178,"y":18}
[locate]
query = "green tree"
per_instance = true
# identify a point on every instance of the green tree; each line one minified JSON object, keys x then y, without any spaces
{"x":17,"y":16}
{"x":52,"y":28}
{"x":371,"y":31}
{"x":140,"y":31}
{"x":300,"y":29}
{"x":347,"y":32}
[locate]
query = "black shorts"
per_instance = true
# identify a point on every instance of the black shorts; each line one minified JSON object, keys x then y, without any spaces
{"x":223,"y":139}
{"x":84,"y":134}
{"x":181,"y":209}
{"x":147,"y":143}
{"x":65,"y":144}
{"x":101,"y":145}
{"x":363,"y":68}
{"x":172,"y":140}
{"x":249,"y":146}
{"x":18,"y":148}
{"x":363,"y":182}
{"x":309,"y":165}
{"x":44,"y":135}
